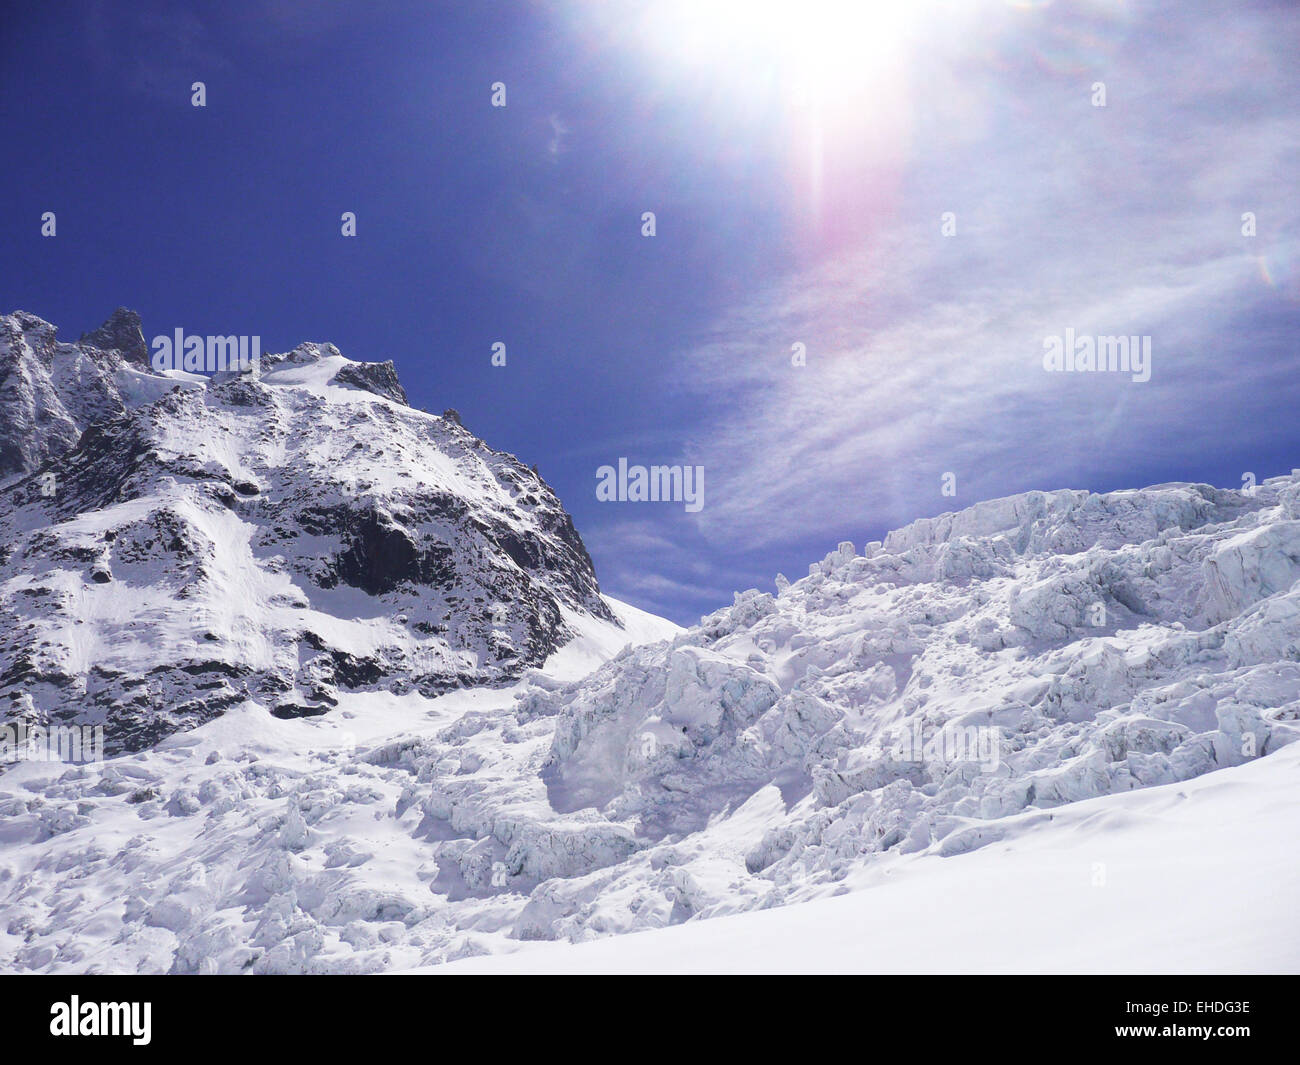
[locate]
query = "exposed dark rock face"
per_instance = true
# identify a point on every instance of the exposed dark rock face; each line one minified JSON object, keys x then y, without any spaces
{"x":122,"y":332}
{"x":201,"y":545}
{"x":377,"y":377}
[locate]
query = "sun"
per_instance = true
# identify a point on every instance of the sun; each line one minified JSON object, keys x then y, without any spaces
{"x":818,"y":51}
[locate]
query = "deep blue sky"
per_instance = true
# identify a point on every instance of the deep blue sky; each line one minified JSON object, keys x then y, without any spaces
{"x":785,"y":213}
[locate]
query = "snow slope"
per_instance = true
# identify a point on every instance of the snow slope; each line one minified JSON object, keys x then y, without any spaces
{"x":255,"y":843}
{"x":1199,"y":877}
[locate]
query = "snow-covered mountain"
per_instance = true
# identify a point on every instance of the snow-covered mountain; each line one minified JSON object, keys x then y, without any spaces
{"x":173,"y":545}
{"x":303,"y":540}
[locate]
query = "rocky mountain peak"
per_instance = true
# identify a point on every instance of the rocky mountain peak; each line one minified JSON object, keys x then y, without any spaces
{"x":124,"y":332}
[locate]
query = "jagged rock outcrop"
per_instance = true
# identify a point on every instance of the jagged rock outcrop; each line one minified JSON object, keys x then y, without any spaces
{"x":122,"y":332}
{"x":377,"y":377}
{"x":50,"y":392}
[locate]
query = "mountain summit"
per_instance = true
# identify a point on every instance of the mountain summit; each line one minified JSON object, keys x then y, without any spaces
{"x":123,"y":332}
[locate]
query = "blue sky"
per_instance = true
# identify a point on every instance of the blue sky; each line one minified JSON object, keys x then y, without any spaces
{"x":799,"y":163}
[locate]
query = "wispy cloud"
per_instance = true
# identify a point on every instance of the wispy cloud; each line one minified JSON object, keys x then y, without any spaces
{"x":558,"y":132}
{"x":925,"y":351}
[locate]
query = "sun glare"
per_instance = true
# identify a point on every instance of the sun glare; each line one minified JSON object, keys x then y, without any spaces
{"x":818,"y":50}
